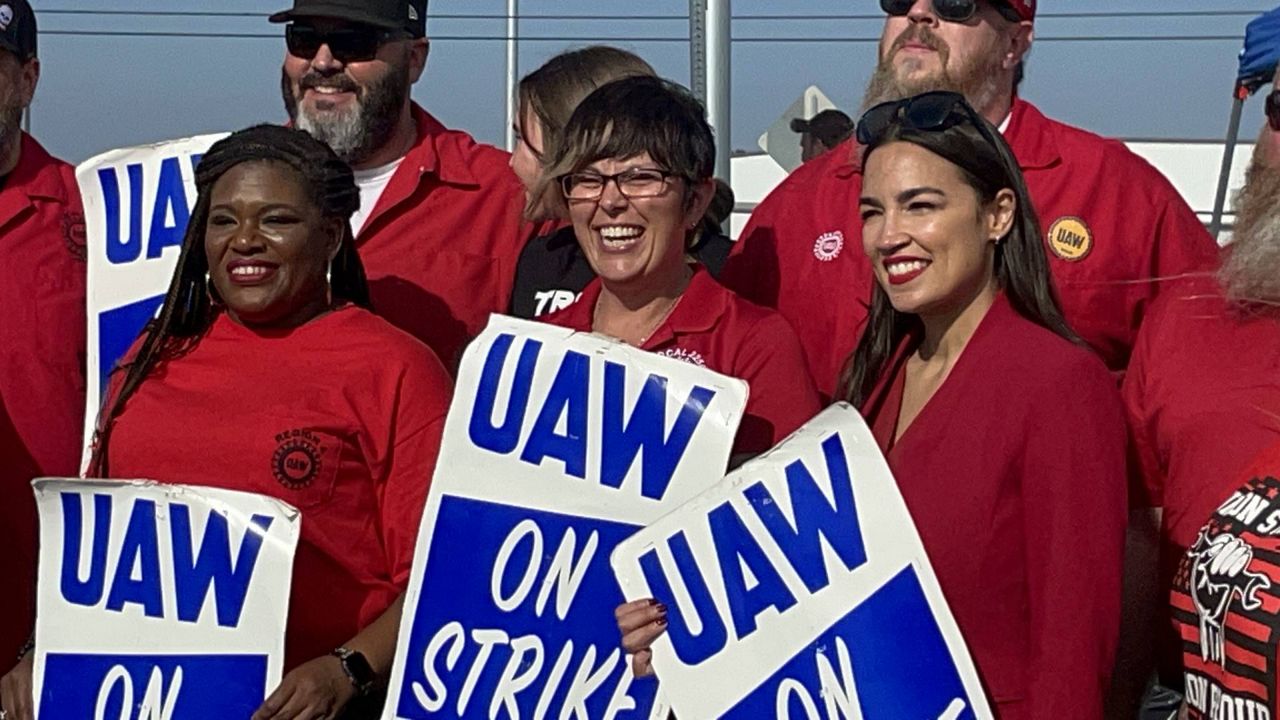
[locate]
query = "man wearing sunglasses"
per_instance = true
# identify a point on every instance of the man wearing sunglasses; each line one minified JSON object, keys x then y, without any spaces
{"x":1112,"y":222}
{"x":439,"y":226}
{"x":42,"y":339}
{"x":1203,"y":398}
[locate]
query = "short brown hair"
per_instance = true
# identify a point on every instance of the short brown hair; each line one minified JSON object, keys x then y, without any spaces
{"x":552,"y":92}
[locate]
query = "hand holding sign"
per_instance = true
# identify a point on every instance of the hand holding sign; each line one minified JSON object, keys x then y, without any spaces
{"x":786,"y":596}
{"x":641,"y":622}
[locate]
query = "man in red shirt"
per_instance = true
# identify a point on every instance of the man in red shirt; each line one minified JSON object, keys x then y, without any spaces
{"x":1203,"y":387}
{"x":42,"y":340}
{"x":1113,"y":224}
{"x":439,"y":228}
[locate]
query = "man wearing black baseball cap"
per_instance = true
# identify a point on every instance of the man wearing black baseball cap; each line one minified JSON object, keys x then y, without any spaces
{"x":439,"y":227}
{"x":822,"y":132}
{"x":42,"y":341}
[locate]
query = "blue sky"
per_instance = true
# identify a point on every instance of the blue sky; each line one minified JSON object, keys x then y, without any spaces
{"x":102,"y":91}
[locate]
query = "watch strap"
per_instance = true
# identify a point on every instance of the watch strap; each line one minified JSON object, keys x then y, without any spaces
{"x":357,"y":668}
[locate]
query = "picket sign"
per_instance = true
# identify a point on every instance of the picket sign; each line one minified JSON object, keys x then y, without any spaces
{"x":558,"y":445}
{"x":798,"y":588}
{"x":159,"y":602}
{"x":137,"y":202}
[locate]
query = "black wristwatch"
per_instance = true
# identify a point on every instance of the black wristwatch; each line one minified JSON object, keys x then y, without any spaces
{"x":358,"y":670}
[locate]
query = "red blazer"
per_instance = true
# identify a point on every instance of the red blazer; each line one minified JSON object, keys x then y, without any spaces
{"x":1015,"y":475}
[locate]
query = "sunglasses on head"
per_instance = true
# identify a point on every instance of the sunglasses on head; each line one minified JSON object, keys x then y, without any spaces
{"x":1273,"y":110}
{"x":929,"y":112}
{"x":348,"y":44}
{"x":956,"y":11}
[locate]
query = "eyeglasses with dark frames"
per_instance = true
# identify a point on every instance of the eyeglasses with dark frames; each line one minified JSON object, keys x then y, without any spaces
{"x":956,"y":11}
{"x":348,"y":44}
{"x":633,"y":183}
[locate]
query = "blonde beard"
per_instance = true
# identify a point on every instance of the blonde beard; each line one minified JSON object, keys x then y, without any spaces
{"x":1251,"y":273}
{"x":978,"y":81}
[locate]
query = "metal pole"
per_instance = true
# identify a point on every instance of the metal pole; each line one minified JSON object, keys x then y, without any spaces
{"x":698,"y":49}
{"x":719,"y":61}
{"x":1224,"y":175}
{"x":513,"y":70}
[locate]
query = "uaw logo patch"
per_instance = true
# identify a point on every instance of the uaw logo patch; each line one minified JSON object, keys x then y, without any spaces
{"x":1070,"y":239}
{"x":6,"y":17}
{"x":297,"y":459}
{"x":828,"y":246}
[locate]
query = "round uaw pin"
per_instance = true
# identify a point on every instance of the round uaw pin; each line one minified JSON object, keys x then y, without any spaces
{"x":1070,"y":239}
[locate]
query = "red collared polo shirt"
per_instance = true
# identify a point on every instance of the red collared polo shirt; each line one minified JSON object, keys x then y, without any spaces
{"x":441,"y":244}
{"x":42,"y":355}
{"x":1113,"y":227}
{"x":716,"y":329}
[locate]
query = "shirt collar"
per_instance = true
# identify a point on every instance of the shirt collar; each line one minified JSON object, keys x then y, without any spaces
{"x":435,"y":152}
{"x":699,"y":308}
{"x":1031,"y":136}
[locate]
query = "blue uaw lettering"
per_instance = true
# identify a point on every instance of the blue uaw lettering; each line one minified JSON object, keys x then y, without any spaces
{"x":136,"y":579}
{"x":156,"y":704}
{"x":700,"y":631}
{"x":170,"y":210}
{"x":523,"y":667}
{"x":641,"y":433}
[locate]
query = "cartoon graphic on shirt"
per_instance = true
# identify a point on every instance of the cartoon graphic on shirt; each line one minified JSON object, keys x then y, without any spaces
{"x":1220,"y":574}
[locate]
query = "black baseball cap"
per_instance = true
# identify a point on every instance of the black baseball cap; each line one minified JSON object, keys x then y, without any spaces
{"x":832,"y":127}
{"x":407,"y":15}
{"x":18,"y":28}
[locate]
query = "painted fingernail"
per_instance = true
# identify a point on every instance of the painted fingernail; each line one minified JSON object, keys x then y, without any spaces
{"x":662,"y":608}
{"x":662,"y":622}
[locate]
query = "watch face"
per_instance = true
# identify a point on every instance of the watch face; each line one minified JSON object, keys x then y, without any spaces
{"x":358,"y":669}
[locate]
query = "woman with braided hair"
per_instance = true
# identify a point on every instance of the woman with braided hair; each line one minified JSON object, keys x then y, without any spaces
{"x":265,"y":372}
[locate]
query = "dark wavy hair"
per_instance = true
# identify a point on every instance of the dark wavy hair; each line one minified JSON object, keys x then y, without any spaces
{"x":1021,"y":268}
{"x":189,"y":305}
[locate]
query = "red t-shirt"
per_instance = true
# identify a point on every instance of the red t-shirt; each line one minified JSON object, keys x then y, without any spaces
{"x":1014,"y":472}
{"x":1203,"y":398}
{"x":713,"y":328}
{"x":441,"y":244}
{"x":42,"y":355}
{"x":340,"y":417}
{"x":1226,"y":602}
{"x":1111,"y":223}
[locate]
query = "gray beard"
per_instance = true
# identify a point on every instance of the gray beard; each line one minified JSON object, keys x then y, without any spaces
{"x":1251,"y":272}
{"x":355,"y":135}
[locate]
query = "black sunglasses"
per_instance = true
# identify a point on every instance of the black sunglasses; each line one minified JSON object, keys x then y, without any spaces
{"x":931,"y":111}
{"x":348,"y":44}
{"x":956,"y":11}
{"x":1273,"y":110}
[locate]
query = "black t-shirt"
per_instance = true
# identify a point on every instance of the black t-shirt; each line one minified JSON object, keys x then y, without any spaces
{"x":553,"y":271}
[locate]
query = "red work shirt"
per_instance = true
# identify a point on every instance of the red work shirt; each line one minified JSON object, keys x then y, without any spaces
{"x":441,"y":244}
{"x":713,"y":328}
{"x":1014,"y":472}
{"x":1225,"y":603}
{"x":42,"y":355}
{"x":1203,"y":399}
{"x":340,"y":417}
{"x":1112,"y":223}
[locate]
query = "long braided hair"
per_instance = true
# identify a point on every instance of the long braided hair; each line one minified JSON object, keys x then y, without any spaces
{"x":189,"y":306}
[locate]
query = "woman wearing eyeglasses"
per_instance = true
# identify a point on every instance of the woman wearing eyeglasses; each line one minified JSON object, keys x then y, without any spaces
{"x":552,"y":270}
{"x":633,"y":174}
{"x":1006,"y":434}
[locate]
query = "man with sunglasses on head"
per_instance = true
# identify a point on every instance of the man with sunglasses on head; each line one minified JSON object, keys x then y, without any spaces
{"x":42,"y":338}
{"x":439,"y":227}
{"x":1113,"y":224}
{"x":1203,"y":398}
